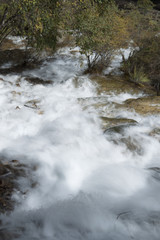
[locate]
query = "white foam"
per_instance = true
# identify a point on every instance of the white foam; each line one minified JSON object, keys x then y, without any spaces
{"x":87,"y":186}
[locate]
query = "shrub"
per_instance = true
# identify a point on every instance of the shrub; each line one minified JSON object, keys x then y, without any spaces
{"x":34,"y":19}
{"x":99,"y":29}
{"x":143,"y":65}
{"x":147,"y":4}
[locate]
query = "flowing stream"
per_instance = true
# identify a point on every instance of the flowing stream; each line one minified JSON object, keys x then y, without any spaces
{"x":83,"y":183}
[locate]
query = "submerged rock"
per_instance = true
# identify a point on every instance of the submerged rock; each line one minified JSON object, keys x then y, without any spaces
{"x":155,"y":172}
{"x":155,"y":133}
{"x":37,"y":80}
{"x":131,"y":144}
{"x":119,"y":128}
{"x":118,"y":136}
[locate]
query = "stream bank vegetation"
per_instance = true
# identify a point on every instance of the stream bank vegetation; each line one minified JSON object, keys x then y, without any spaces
{"x":36,"y":20}
{"x":98,"y":27}
{"x":142,"y":65}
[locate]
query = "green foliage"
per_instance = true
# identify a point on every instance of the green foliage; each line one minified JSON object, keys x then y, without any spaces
{"x":147,"y":4}
{"x":142,"y":25}
{"x":138,"y":75}
{"x":5,"y":29}
{"x":34,"y":19}
{"x":98,"y":35}
{"x":143,"y":64}
{"x":103,"y":4}
{"x":98,"y":27}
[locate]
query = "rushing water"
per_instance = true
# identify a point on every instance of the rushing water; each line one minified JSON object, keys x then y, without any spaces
{"x":86,"y":186}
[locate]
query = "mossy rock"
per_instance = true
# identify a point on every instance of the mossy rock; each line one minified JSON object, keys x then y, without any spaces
{"x":109,"y":123}
{"x":145,"y":106}
{"x":119,"y":84}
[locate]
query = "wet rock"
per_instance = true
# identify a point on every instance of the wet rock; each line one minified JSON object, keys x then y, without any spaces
{"x":18,"y":60}
{"x":118,"y":136}
{"x":8,"y":174}
{"x":41,"y":112}
{"x":13,"y":56}
{"x":146,"y":105}
{"x":132,"y":145}
{"x":100,"y":105}
{"x":9,"y":44}
{"x":32,"y":103}
{"x":37,"y":80}
{"x":118,"y":84}
{"x":155,"y":133}
{"x":108,"y":123}
{"x":6,"y":234}
{"x":95,"y":102}
{"x":119,"y":128}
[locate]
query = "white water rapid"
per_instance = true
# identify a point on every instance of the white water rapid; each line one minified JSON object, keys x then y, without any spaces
{"x":82,"y":184}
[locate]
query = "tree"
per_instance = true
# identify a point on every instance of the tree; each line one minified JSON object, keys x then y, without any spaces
{"x":98,"y":34}
{"x":142,"y":66}
{"x":34,"y":19}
